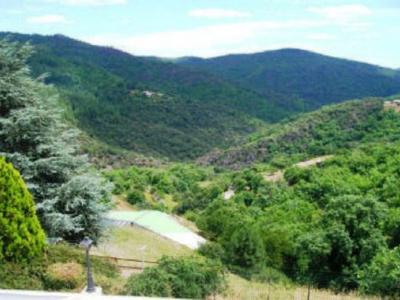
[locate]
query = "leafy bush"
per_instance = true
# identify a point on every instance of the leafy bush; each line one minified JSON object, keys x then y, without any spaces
{"x":21,"y":276}
{"x":21,"y":236}
{"x":212,"y":250}
{"x":152,"y":282}
{"x":60,"y":276}
{"x":135,"y":197}
{"x":189,"y":277}
{"x":381,"y":276}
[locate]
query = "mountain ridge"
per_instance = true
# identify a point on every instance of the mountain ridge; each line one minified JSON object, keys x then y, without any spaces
{"x":298,"y":74}
{"x":178,"y":111}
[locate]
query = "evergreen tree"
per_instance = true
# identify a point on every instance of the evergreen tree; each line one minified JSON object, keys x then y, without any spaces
{"x":34,"y":137}
{"x":21,"y":236}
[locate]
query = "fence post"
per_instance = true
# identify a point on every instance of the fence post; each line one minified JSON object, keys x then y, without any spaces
{"x":308,"y":292}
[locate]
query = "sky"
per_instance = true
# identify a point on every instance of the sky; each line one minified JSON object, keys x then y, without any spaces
{"x":364,"y":30}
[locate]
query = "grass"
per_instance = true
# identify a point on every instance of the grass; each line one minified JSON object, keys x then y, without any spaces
{"x":35,"y":275}
{"x":127,"y":242}
{"x":241,"y":289}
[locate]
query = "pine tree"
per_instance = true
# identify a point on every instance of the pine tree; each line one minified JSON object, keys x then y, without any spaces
{"x":21,"y":236}
{"x":35,"y":138}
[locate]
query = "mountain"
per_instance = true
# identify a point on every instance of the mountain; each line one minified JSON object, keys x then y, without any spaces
{"x":301,"y":78}
{"x":182,"y":109}
{"x":328,"y":130}
{"x":142,"y":104}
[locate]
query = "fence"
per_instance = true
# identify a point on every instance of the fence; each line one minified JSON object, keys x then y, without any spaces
{"x":127,"y":263}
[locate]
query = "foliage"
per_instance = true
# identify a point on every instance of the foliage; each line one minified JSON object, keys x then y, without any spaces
{"x":302,"y":79}
{"x":186,"y":113}
{"x":381,"y":276}
{"x":53,"y":271}
{"x":165,"y":186}
{"x":60,"y":276}
{"x":21,"y":236}
{"x":326,"y":131}
{"x":189,"y":277}
{"x":135,"y":197}
{"x":70,"y":198}
{"x":322,"y":225}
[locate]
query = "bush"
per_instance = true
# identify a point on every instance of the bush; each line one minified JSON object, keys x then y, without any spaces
{"x":381,"y":276}
{"x":21,"y":276}
{"x":271,"y":275}
{"x":136,"y":197}
{"x":60,"y":276}
{"x":152,"y":282}
{"x":212,"y":250}
{"x":21,"y":236}
{"x":189,"y":277}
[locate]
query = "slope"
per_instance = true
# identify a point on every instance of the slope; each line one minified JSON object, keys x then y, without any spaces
{"x":142,"y":104}
{"x":301,"y":79}
{"x":325,"y":131}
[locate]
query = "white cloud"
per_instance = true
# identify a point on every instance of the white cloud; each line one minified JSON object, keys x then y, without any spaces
{"x":342,"y":13}
{"x":89,"y":2}
{"x":217,"y":13}
{"x":47,"y":19}
{"x":202,"y":41}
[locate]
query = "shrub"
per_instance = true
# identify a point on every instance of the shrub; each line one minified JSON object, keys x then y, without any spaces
{"x":212,"y":250}
{"x":21,"y":236}
{"x":21,"y":276}
{"x":381,"y":276}
{"x":189,"y":277}
{"x":136,"y":197}
{"x":271,"y":275}
{"x":152,"y":282}
{"x":60,"y":276}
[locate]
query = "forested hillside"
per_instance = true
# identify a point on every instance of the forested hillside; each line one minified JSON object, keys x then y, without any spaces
{"x":301,"y":79}
{"x":325,"y":131}
{"x":142,"y":104}
{"x":183,"y":110}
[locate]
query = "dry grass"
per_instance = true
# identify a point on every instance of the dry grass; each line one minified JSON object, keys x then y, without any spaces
{"x":121,"y":203}
{"x":241,"y":289}
{"x":128,"y":242}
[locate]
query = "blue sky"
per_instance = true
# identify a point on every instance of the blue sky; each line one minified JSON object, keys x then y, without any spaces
{"x":365,"y":30}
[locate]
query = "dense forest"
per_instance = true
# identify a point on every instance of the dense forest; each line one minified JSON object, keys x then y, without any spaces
{"x":301,"y":77}
{"x":144,"y":105}
{"x":167,"y":109}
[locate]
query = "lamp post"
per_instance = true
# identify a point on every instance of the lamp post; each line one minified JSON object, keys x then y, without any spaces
{"x":87,"y":243}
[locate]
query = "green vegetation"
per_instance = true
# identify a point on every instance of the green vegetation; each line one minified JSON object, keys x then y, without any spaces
{"x":60,"y":269}
{"x":141,"y":104}
{"x":326,"y":131}
{"x":301,"y":79}
{"x":159,"y":188}
{"x":189,"y":277}
{"x":165,"y":109}
{"x":333,"y":226}
{"x":325,"y":225}
{"x":22,"y":238}
{"x":70,"y":197}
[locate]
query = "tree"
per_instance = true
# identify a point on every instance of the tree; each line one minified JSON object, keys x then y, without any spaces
{"x":34,"y":137}
{"x":21,"y":237}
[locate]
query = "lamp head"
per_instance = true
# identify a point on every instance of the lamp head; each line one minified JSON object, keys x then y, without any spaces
{"x":86,"y":243}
